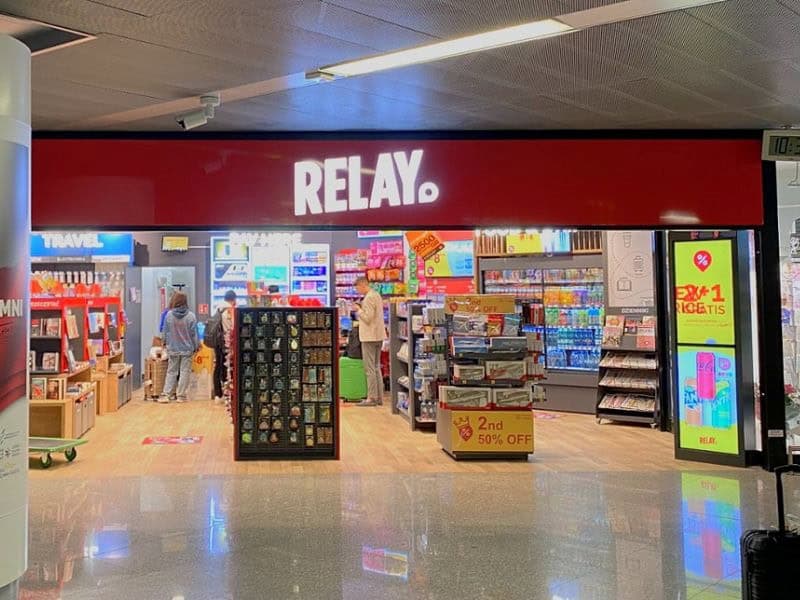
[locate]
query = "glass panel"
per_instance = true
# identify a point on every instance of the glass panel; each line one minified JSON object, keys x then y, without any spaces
{"x":574,"y":314}
{"x":789,"y":228}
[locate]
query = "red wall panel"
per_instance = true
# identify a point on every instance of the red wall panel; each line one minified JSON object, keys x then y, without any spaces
{"x":143,"y":183}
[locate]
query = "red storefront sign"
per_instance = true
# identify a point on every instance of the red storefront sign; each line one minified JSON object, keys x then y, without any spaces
{"x":204,"y":183}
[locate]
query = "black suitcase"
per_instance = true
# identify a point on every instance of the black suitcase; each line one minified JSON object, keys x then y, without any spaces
{"x":770,"y":558}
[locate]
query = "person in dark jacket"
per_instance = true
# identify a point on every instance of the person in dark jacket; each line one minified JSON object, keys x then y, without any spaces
{"x":181,"y":341}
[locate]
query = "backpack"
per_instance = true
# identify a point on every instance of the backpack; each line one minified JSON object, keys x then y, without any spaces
{"x":353,"y":344}
{"x":214,"y":335}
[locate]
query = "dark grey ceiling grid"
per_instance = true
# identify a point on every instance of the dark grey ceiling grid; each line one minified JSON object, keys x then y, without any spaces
{"x":734,"y":64}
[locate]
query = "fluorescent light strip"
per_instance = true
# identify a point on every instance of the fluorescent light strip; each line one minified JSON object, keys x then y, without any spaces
{"x":626,"y":10}
{"x":439,"y":50}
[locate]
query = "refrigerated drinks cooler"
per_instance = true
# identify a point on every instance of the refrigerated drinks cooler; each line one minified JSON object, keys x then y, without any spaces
{"x":570,"y":291}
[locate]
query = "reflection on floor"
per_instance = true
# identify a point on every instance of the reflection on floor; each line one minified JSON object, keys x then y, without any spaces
{"x":585,"y":519}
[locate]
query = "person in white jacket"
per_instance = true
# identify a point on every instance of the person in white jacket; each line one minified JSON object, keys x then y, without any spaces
{"x":371,"y":333}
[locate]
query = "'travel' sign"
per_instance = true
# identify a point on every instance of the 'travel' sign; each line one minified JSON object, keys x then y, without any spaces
{"x":72,"y":240}
{"x":335,"y":184}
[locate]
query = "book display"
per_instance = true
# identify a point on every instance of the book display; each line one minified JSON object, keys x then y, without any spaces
{"x":495,"y":372}
{"x":628,"y":380}
{"x":285,"y":403}
{"x":68,"y":384}
{"x":57,"y":328}
{"x":105,"y":325}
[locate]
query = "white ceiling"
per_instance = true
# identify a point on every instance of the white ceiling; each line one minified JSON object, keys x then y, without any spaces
{"x":730,"y":65}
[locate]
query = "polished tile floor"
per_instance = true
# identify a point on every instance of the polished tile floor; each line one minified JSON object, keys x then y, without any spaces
{"x":598,"y":513}
{"x":560,"y":536}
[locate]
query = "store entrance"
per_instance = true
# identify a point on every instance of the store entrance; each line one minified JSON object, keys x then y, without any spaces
{"x":485,"y":325}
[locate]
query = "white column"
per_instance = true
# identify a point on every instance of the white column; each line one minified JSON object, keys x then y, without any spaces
{"x":15,"y":225}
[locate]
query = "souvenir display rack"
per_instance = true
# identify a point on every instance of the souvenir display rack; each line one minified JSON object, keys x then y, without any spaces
{"x":285,"y":370}
{"x":628,"y":389}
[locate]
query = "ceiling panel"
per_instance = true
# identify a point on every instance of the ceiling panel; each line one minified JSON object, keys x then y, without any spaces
{"x":666,"y":95}
{"x":731,"y":64}
{"x":770,"y":23}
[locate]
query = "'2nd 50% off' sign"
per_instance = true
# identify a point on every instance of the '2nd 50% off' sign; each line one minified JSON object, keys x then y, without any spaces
{"x":492,"y":431}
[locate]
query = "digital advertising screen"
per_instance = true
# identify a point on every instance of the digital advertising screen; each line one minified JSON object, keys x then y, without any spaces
{"x":707,"y":399}
{"x":454,"y":260}
{"x":704,"y":303}
{"x":225,"y":251}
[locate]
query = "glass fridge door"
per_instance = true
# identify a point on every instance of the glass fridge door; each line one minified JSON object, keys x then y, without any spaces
{"x":521,"y":283}
{"x":574,"y":314}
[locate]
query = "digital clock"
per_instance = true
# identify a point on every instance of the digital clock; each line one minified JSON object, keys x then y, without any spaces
{"x":781,"y":144}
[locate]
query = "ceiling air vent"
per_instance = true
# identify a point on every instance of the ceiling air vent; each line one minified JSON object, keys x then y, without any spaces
{"x":41,"y":37}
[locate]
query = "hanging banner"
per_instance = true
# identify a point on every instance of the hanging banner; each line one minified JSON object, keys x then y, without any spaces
{"x":704,"y":289}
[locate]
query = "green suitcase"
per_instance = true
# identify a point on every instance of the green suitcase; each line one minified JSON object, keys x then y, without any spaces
{"x":352,"y":380}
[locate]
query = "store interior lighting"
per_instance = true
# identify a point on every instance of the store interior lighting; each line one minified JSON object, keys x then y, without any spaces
{"x":506,"y":36}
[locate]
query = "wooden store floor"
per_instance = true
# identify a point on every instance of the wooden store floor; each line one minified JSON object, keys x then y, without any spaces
{"x":373,"y":441}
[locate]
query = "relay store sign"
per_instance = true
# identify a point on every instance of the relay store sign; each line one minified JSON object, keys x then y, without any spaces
{"x":335,"y":184}
{"x":97,"y":247}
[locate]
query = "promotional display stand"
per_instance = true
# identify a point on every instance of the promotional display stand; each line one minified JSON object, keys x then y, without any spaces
{"x":712,"y":347}
{"x":485,"y":411}
{"x":285,"y":373}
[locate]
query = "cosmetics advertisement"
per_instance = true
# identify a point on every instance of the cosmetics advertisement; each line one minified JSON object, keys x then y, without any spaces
{"x":707,"y":401}
{"x":711,"y":527}
{"x":704,"y":303}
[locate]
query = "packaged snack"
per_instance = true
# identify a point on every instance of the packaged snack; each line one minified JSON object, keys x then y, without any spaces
{"x":494,"y":325}
{"x":512,"y":398}
{"x":505,"y":369}
{"x":469,"y":372}
{"x":453,"y":396}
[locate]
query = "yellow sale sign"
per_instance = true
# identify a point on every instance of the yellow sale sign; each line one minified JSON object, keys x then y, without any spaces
{"x":491,"y":431}
{"x":704,"y":292}
{"x":524,"y":243}
{"x":480,"y":304}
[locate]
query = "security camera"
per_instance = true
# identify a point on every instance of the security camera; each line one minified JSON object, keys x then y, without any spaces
{"x":193,"y":119}
{"x":199,"y":117}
